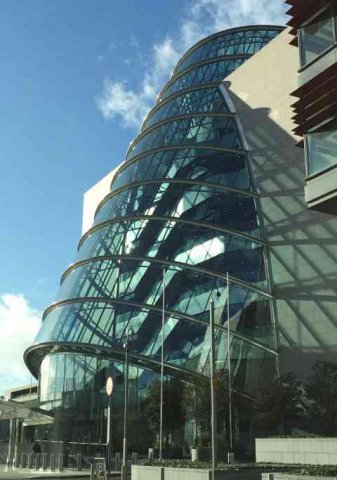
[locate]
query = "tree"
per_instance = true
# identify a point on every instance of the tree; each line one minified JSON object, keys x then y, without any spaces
{"x":277,"y":403}
{"x":197,"y":398}
{"x":173,"y":411}
{"x":321,"y":391}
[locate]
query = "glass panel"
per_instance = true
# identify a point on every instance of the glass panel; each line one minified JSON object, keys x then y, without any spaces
{"x":186,"y":292}
{"x":316,"y":37}
{"x":195,"y":202}
{"x":197,"y":101}
{"x":245,"y":42}
{"x":189,"y":244}
{"x":62,"y":373}
{"x":322,"y":149}
{"x":186,"y":343}
{"x":210,"y":73}
{"x":105,"y":240}
{"x":72,"y":385}
{"x":226,"y":168}
{"x":208,"y":131}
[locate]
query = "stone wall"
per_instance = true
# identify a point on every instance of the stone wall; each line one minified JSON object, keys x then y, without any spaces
{"x":311,"y":451}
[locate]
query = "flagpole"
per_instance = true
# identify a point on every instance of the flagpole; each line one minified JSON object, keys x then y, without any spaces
{"x":162,"y":372}
{"x":229,"y":376}
{"x":213,"y":393}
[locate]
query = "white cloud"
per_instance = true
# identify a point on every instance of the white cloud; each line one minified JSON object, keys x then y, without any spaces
{"x":19,"y":324}
{"x":203,"y":18}
{"x":117,"y":100}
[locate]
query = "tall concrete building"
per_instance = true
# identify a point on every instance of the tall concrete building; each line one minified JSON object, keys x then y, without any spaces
{"x":212,"y":188}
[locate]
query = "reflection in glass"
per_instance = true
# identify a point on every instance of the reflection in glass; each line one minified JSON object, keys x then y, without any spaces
{"x":244,"y":42}
{"x":188,"y":291}
{"x":317,"y":37}
{"x":202,"y":165}
{"x":183,"y":202}
{"x":211,"y":72}
{"x":186,"y":341}
{"x":322,"y":149}
{"x":208,"y":100}
{"x":209,"y":205}
{"x":203,"y":131}
{"x":189,"y":244}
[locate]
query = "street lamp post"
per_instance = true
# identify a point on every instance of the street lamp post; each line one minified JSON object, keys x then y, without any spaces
{"x":213,"y":398}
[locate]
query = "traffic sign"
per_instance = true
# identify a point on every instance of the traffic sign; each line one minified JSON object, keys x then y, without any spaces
{"x":109,"y":386}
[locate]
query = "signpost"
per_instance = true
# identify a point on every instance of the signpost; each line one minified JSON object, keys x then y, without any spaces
{"x":98,"y":469}
{"x":109,"y":388}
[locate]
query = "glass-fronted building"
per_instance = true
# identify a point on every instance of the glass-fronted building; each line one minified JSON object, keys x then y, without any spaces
{"x":182,"y":213}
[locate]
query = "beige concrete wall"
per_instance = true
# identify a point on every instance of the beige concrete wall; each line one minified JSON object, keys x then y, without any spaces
{"x":92,"y":198}
{"x":302,"y":243}
{"x":305,"y":451}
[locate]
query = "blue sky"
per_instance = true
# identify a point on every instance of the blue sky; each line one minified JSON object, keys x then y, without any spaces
{"x":77,"y":77}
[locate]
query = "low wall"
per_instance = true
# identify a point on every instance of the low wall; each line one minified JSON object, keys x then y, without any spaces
{"x":287,"y":476}
{"x":145,"y":472}
{"x":310,"y":451}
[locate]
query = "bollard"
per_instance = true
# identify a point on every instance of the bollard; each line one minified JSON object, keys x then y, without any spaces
{"x":44,"y":461}
{"x":194,"y":454}
{"x":52,"y":461}
{"x":23,"y":460}
{"x":60,"y":462}
{"x":16,"y":460}
{"x":151,"y":455}
{"x":37,"y":461}
{"x":91,"y":471}
{"x":117,"y":462}
{"x":30,"y":460}
{"x":79,"y":462}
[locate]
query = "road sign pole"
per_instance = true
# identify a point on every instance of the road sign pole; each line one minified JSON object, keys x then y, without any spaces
{"x":108,"y":437}
{"x":125,"y":426}
{"x":109,"y":389}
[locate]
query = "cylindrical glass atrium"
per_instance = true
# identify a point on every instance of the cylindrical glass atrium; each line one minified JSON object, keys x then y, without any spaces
{"x":182,"y":207}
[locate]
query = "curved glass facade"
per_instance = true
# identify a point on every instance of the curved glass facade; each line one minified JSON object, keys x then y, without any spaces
{"x":208,"y":100}
{"x":204,"y":130}
{"x":199,"y":165}
{"x":183,"y":207}
{"x":245,"y":41}
{"x":209,"y":72}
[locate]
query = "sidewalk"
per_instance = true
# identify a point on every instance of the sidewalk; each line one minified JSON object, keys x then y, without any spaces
{"x":31,"y":473}
{"x":25,"y":473}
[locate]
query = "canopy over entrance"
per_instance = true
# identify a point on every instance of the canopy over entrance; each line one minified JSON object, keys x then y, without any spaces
{"x":27,"y":412}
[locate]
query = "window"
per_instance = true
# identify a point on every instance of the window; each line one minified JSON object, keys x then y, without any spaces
{"x":322,"y":149}
{"x":317,"y":37}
